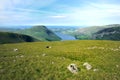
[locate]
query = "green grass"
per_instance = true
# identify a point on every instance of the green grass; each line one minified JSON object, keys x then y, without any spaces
{"x":28,"y":63}
{"x":9,"y":37}
{"x":41,"y":33}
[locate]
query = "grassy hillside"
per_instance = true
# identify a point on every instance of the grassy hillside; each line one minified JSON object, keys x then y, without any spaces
{"x":33,"y":61}
{"x":87,"y":33}
{"x":40,"y":33}
{"x":112,"y":33}
{"x":8,"y":37}
{"x":65,"y":30}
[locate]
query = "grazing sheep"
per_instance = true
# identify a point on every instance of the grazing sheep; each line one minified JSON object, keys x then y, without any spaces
{"x":48,"y":46}
{"x":73,"y":68}
{"x":15,"y":49}
{"x":88,"y":66}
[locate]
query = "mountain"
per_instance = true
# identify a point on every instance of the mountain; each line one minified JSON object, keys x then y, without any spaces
{"x":41,"y":33}
{"x":8,"y":37}
{"x":87,"y":33}
{"x":112,"y":33}
{"x":64,"y":30}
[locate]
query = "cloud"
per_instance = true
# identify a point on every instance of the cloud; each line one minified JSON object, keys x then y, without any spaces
{"x":39,"y":11}
{"x":23,"y":11}
{"x":58,"y":16}
{"x":9,"y":4}
{"x":94,"y":14}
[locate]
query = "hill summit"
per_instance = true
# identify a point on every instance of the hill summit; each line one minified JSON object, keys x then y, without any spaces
{"x":41,"y":33}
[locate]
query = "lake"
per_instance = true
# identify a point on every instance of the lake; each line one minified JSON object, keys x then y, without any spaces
{"x":65,"y":36}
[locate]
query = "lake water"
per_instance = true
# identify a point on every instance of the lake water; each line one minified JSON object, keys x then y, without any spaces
{"x":65,"y":36}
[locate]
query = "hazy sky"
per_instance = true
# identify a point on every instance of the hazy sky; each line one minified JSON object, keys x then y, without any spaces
{"x":59,"y":12}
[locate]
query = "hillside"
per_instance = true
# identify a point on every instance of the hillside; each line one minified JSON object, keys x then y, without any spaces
{"x":87,"y":33}
{"x":112,"y":33}
{"x":64,"y":30}
{"x":8,"y":37}
{"x":40,"y":33}
{"x":33,"y":61}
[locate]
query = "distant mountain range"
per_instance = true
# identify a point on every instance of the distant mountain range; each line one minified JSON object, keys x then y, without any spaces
{"x":64,"y":30}
{"x":8,"y":37}
{"x":42,"y":33}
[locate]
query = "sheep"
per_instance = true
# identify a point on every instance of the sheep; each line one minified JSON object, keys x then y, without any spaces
{"x":72,"y":68}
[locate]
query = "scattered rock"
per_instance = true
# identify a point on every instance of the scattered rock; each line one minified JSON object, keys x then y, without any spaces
{"x":48,"y":47}
{"x":15,"y":49}
{"x":16,"y":56}
{"x":87,"y":65}
{"x":95,"y":70}
{"x":72,"y":68}
{"x":22,"y":56}
{"x":117,"y":66}
{"x":52,"y":62}
{"x":14,"y":60}
{"x":44,"y":54}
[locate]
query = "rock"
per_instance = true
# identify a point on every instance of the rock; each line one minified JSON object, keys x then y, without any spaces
{"x":15,"y":49}
{"x":44,"y":54}
{"x":95,"y":70}
{"x":87,"y":65}
{"x":72,"y":68}
{"x":48,"y":46}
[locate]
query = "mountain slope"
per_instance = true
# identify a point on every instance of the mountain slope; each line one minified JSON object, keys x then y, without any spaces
{"x":40,"y":33}
{"x":87,"y":33}
{"x":8,"y":37}
{"x":108,"y":34}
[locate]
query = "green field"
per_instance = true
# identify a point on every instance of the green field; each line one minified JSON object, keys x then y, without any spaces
{"x":33,"y":61}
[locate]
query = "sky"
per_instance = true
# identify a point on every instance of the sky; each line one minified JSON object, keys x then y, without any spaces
{"x":59,"y":12}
